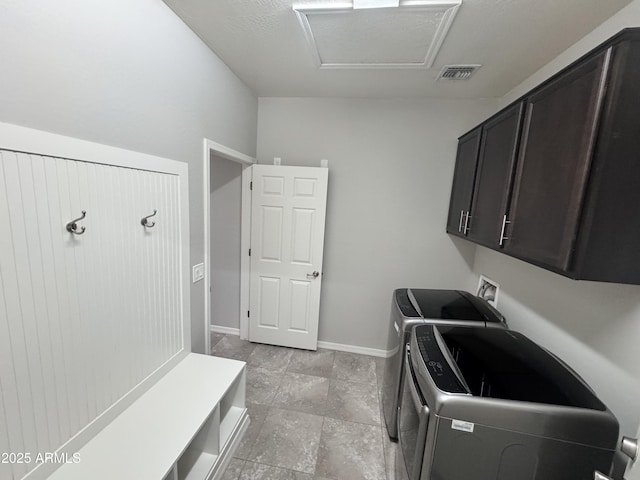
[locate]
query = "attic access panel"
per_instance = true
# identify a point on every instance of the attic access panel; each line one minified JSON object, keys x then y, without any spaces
{"x":402,"y":37}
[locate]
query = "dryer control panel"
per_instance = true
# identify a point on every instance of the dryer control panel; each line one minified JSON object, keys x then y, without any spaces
{"x":437,"y":366}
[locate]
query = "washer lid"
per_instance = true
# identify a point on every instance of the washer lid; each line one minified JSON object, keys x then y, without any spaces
{"x":505,"y":364}
{"x":452,"y":305}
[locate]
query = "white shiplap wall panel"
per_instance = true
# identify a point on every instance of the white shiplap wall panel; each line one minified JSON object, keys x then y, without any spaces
{"x":84,"y":319}
{"x":98,"y":295}
{"x":6,"y":470}
{"x":83,"y":261}
{"x":109,"y":189}
{"x":34,"y":306}
{"x":70,"y":209}
{"x":13,"y":260}
{"x":158,"y":297}
{"x":165,"y":253}
{"x":117,"y":198}
{"x":47,"y":308}
{"x":151,"y":245}
{"x":142,"y":255}
{"x":58,"y":299}
{"x":135,"y":232}
{"x":177,"y":272}
{"x":123,"y":199}
{"x":10,"y":402}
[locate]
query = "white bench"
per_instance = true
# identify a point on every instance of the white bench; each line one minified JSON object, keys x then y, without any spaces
{"x":185,"y":427}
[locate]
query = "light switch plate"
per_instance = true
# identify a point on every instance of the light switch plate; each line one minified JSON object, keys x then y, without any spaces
{"x":198,"y":272}
{"x":488,"y":289}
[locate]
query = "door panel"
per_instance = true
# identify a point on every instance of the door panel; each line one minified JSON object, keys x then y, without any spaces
{"x":271,"y":248}
{"x":287,"y":237}
{"x":272,"y":185}
{"x":555,"y":157}
{"x":494,"y":177}
{"x":302,"y":231}
{"x":300,"y":297}
{"x":269,"y":295}
{"x":463,"y":178}
{"x":304,"y":187}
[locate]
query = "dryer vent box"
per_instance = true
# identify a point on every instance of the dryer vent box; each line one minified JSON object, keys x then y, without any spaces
{"x":488,"y":290}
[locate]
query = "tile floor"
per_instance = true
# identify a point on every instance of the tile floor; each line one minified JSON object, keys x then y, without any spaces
{"x":314,"y":415}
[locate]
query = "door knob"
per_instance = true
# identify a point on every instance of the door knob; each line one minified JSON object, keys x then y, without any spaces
{"x":315,"y":274}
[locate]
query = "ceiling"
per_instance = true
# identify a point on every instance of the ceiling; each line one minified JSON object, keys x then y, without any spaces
{"x":264,"y":44}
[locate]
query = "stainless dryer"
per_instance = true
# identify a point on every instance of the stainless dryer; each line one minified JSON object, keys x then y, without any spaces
{"x":489,"y":404}
{"x":411,"y":307}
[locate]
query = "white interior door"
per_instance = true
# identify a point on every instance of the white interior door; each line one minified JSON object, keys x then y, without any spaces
{"x":287,"y":237}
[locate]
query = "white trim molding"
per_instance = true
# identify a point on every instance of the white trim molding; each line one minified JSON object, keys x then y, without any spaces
{"x":245,"y":245}
{"x":29,"y":140}
{"x":210,"y":147}
{"x":338,"y":347}
{"x":225,"y":330}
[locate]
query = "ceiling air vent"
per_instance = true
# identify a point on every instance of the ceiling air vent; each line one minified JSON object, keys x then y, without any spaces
{"x":457,"y":72}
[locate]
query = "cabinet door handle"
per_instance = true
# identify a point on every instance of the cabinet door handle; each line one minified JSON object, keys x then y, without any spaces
{"x":467,"y":227}
{"x":599,"y":476}
{"x":629,"y":447}
{"x":504,"y":224}
{"x":461,"y":218}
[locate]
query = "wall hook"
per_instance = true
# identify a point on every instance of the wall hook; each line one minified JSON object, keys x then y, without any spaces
{"x":72,"y":226}
{"x":145,"y":220}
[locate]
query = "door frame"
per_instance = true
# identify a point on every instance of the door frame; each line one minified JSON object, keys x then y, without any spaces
{"x":213,"y":148}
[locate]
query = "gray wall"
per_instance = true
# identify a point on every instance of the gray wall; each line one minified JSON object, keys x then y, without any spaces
{"x":127,"y":74}
{"x":390,"y":169}
{"x":226,"y":197}
{"x":594,"y":326}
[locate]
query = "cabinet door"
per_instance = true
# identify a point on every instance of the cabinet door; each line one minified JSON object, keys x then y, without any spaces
{"x":463,"y":178}
{"x":496,"y":166}
{"x":553,"y":165}
{"x":607,"y":247}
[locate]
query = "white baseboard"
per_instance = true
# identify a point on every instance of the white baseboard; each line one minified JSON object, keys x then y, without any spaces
{"x":374,"y":352}
{"x":340,"y":347}
{"x":227,"y":330}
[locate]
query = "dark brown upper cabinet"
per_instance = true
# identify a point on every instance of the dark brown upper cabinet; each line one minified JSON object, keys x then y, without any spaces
{"x":463,"y":179}
{"x":608,"y":246}
{"x":553,"y":168}
{"x":496,"y":162}
{"x":568,"y":202}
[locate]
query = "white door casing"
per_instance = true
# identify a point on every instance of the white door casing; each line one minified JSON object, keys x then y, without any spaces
{"x":287,"y":237}
{"x":219,"y":150}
